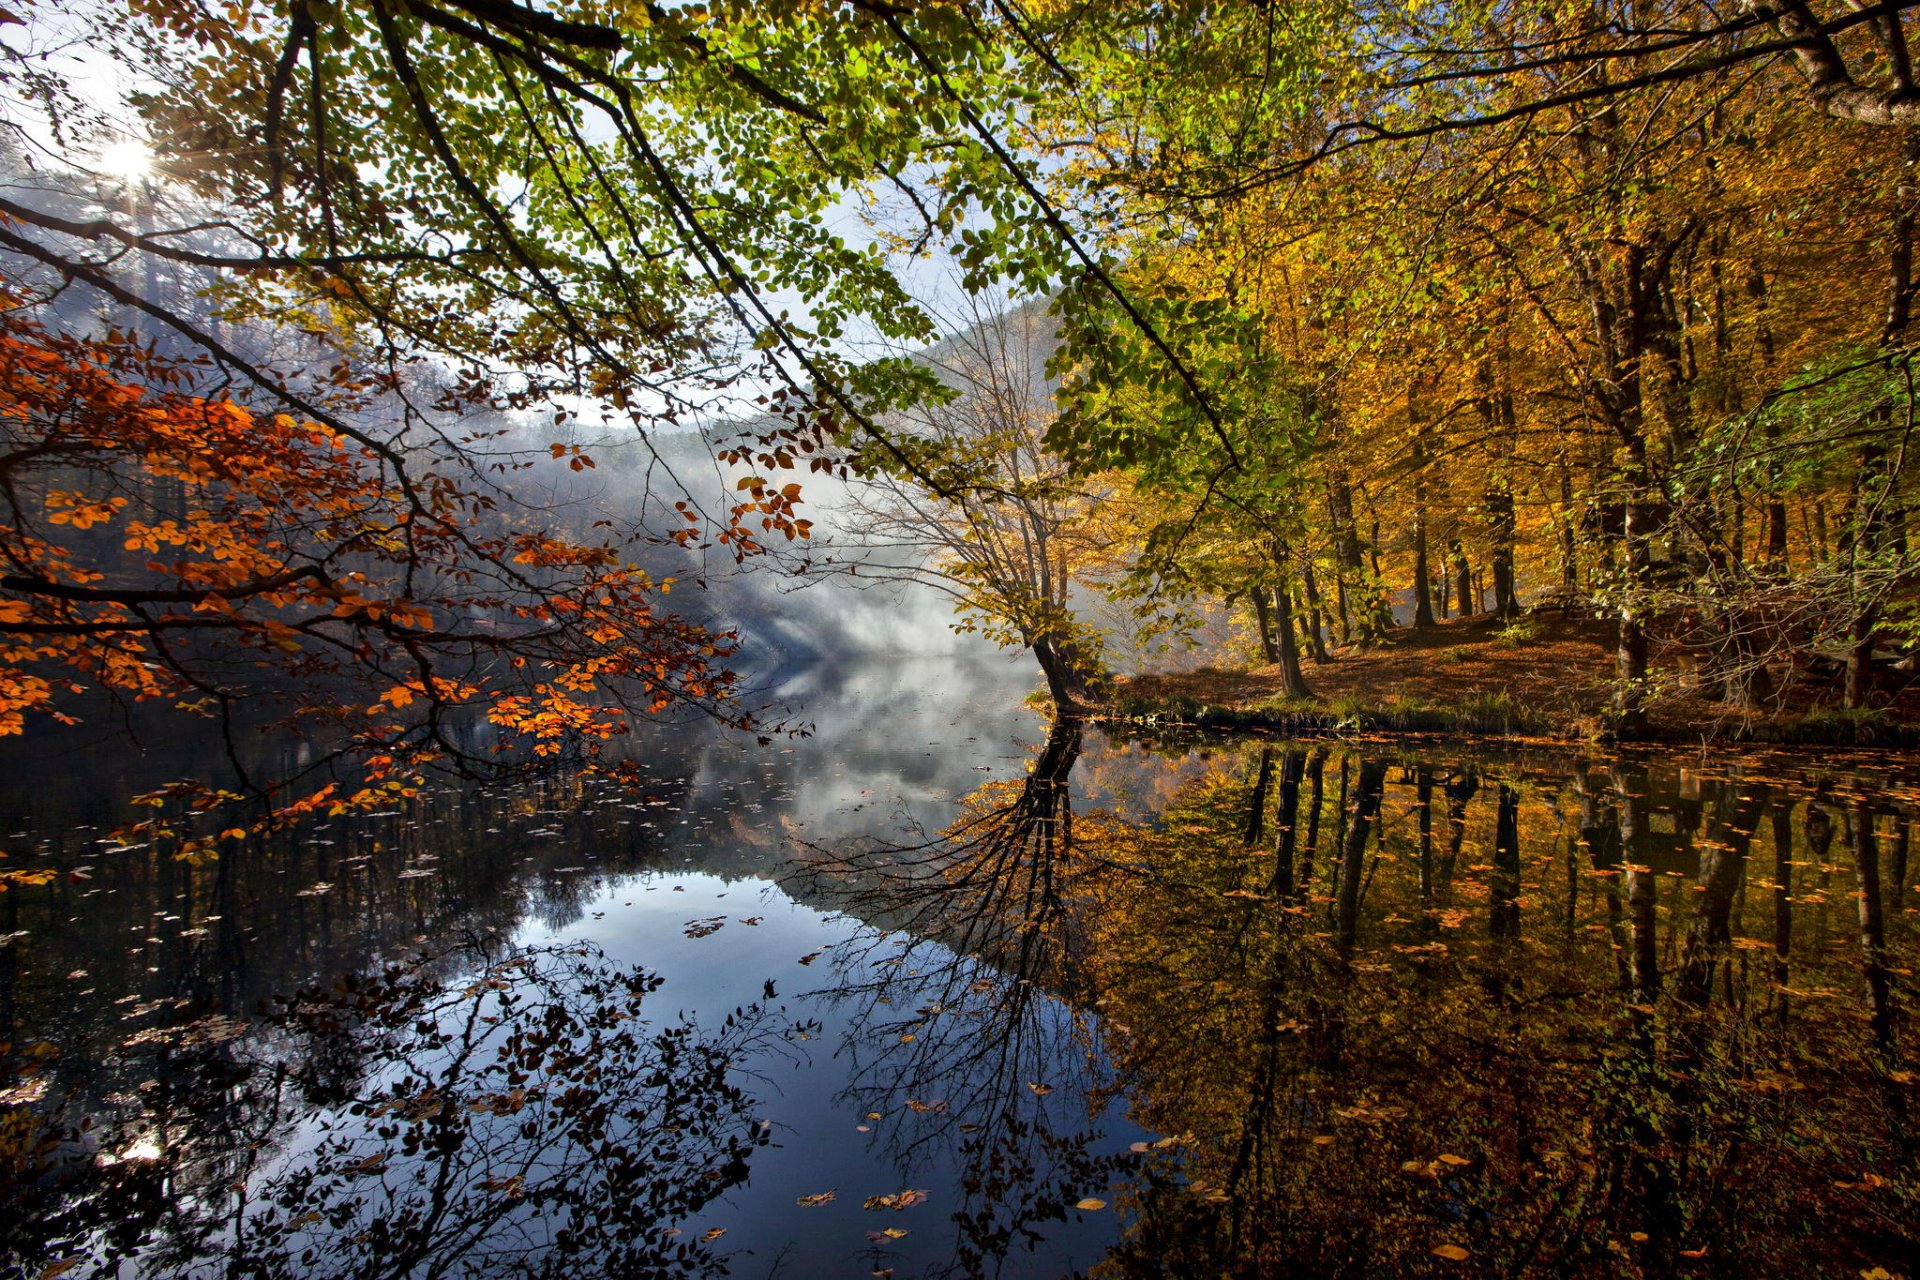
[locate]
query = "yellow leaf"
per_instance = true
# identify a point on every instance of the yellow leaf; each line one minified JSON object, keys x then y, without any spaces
{"x":1451,"y":1252}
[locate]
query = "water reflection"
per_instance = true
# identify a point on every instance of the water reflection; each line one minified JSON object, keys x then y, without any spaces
{"x":513,"y":1115}
{"x":1593,"y":1016}
{"x":1120,"y":1009}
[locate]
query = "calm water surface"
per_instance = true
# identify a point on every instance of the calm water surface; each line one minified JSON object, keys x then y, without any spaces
{"x":941,"y":991}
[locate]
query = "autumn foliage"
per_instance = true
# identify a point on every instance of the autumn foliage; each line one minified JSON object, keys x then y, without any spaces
{"x":164,"y":541}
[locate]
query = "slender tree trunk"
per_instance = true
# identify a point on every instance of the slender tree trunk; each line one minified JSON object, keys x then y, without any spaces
{"x":1422,"y":572}
{"x":1462,"y":577}
{"x":1569,"y":545}
{"x":1316,"y":638}
{"x":1500,"y":532}
{"x":1263,"y":614}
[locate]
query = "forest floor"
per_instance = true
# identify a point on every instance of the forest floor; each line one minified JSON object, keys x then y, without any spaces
{"x":1549,"y":678}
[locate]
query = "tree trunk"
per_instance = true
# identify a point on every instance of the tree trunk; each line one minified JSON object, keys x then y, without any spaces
{"x":1293,"y":681}
{"x":1263,"y":613}
{"x":1422,"y":572}
{"x":1316,"y":638}
{"x":1500,"y":532}
{"x":1462,"y":577}
{"x":1069,"y":679}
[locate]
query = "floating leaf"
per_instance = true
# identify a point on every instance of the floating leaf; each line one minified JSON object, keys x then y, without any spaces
{"x":1451,"y":1252}
{"x":1090,"y":1204}
{"x":816,"y":1199}
{"x":898,"y":1200}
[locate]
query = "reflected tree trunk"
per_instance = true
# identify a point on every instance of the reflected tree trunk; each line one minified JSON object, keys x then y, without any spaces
{"x":1423,"y":802}
{"x":1369,"y":788}
{"x":1317,"y":777}
{"x":1782,"y":902}
{"x":1723,"y":862}
{"x":1459,"y":789}
{"x":1256,"y":824}
{"x":1293,"y":767}
{"x":1643,"y":894}
{"x":1503,"y":887}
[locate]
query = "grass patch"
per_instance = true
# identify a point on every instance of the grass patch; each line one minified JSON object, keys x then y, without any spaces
{"x":1836,"y":726}
{"x":1457,"y":653}
{"x":1481,"y":713}
{"x":1520,"y":631}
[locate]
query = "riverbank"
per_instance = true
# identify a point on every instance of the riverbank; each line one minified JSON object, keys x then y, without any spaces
{"x":1547,"y":676}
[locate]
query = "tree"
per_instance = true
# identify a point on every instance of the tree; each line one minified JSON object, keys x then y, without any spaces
{"x":1013,"y":536}
{"x":162,"y":543}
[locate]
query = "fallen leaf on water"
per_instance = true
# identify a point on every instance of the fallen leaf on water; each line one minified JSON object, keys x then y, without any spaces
{"x":1451,"y":1252}
{"x":1090,"y":1204}
{"x":1454,"y":1160}
{"x":714,"y":1233}
{"x":1140,"y":1148}
{"x":817,"y":1198}
{"x":1322,"y":1139}
{"x":898,"y":1200}
{"x":1042,"y":1089}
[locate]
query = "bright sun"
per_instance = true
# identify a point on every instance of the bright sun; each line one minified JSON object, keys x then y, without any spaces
{"x":128,"y":159}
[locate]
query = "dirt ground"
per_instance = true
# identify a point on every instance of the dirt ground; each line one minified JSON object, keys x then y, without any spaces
{"x":1562,"y":675}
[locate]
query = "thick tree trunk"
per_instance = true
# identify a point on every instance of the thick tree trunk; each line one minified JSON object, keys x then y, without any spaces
{"x":1069,"y":678}
{"x":1292,"y":680}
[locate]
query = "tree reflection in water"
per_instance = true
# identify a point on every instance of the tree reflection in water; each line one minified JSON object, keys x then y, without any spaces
{"x":1572,"y":1024}
{"x":971,"y":991}
{"x":470,"y":1115}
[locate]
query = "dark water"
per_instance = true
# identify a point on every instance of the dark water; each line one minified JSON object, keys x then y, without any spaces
{"x":939,"y":991}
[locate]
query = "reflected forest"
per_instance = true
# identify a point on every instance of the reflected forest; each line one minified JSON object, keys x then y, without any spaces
{"x":958,"y":639}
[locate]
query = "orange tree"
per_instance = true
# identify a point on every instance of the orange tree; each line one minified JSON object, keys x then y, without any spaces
{"x":159,"y":542}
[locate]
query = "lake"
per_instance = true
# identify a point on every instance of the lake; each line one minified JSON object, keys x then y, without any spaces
{"x":938,"y":989}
